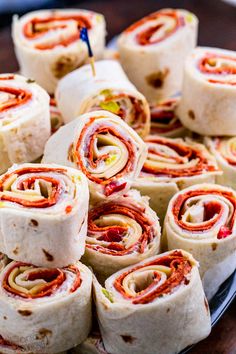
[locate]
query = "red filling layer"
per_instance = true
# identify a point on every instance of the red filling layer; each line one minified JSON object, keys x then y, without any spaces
{"x":18,"y":97}
{"x":145,"y":36}
{"x":180,"y":268}
{"x":111,"y":184}
{"x":115,"y":233}
{"x":212,"y":212}
{"x":28,"y":183}
{"x":37,"y":27}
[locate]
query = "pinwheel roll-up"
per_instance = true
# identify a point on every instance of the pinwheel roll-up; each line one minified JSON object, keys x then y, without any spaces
{"x":164,"y":120}
{"x":171,"y":165}
{"x":104,"y":148}
{"x":48,"y":45}
{"x":43,"y":214}
{"x":92,"y":345}
{"x":224,"y":150}
{"x":142,"y":303}
{"x":208,"y":104}
{"x":55,"y":116}
{"x":121,"y":232}
{"x":24,"y":120}
{"x":7,"y":347}
{"x":202,"y":220}
{"x":80,"y":92}
{"x":45,"y":310}
{"x":153,"y":51}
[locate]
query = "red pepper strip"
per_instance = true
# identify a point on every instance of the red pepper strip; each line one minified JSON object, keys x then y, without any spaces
{"x":88,"y":152}
{"x":216,"y":210}
{"x":6,"y":343}
{"x":53,"y":101}
{"x":8,"y":77}
{"x":233,"y":83}
{"x":78,"y":280}
{"x":53,"y":276}
{"x":31,"y":29}
{"x":224,"y":232}
{"x":184,"y":152}
{"x":115,"y":233}
{"x":144,"y":38}
{"x":180,"y":268}
{"x":114,"y":187}
{"x":20,"y":97}
{"x":28,"y":184}
{"x":205,"y":66}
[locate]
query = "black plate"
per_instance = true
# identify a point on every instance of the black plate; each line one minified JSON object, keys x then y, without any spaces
{"x":220,"y":302}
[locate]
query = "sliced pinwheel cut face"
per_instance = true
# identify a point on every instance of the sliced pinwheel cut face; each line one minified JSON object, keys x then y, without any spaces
{"x":18,"y":97}
{"x":176,"y":158}
{"x":26,"y":281}
{"x":122,"y":227}
{"x":164,"y":119}
{"x":128,"y":107}
{"x":50,"y":189}
{"x":48,"y":30}
{"x":204,"y":212}
{"x":152,"y":279}
{"x":55,"y":115}
{"x":224,"y":148}
{"x":216,"y":66}
{"x":157,"y":27}
{"x":107,"y":151}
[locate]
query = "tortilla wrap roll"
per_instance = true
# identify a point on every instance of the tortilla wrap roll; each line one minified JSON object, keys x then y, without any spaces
{"x":142,"y":303}
{"x":201,"y":220}
{"x":43,"y":214}
{"x":208,"y":105}
{"x":104,"y":148}
{"x":24,"y":120}
{"x":110,"y":89}
{"x":153,"y":50}
{"x":48,"y":45}
{"x":121,"y":232}
{"x":45,"y":310}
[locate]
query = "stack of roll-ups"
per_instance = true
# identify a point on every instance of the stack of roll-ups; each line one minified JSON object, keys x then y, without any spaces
{"x":121,"y":157}
{"x":45,"y":293}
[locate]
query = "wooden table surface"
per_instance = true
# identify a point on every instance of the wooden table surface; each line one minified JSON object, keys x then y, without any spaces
{"x":217,"y":28}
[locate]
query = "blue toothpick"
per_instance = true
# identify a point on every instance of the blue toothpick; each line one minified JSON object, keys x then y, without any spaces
{"x":84,"y":37}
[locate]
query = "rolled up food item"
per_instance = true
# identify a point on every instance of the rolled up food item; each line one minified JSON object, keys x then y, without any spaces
{"x":45,"y":310}
{"x":104,"y":148}
{"x":209,"y":78}
{"x":202,"y":220}
{"x":55,"y":115}
{"x":80,"y":92}
{"x":224,"y":150}
{"x":164,"y":120}
{"x":171,"y":165}
{"x":121,"y":232}
{"x":141,"y":304}
{"x":24,"y":120}
{"x":153,"y":51}
{"x":43,"y":214}
{"x":7,"y":347}
{"x":50,"y":40}
{"x":92,"y":345}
